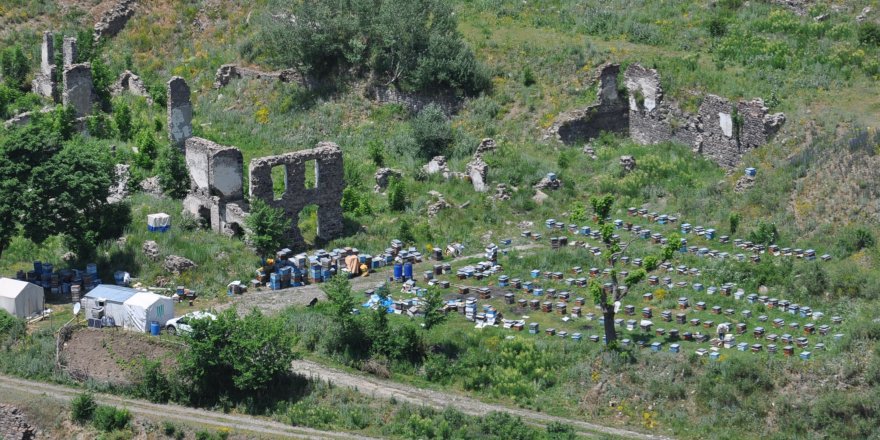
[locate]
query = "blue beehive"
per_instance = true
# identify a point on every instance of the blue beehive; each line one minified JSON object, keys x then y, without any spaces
{"x":655,"y":346}
{"x":714,"y":355}
{"x":674,"y":348}
{"x":805,"y":355}
{"x":585,"y":230}
{"x":536,"y":273}
{"x":751,"y":172}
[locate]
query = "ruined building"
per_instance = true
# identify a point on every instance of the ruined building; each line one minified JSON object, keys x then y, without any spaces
{"x":216,"y":194}
{"x":721,"y":130}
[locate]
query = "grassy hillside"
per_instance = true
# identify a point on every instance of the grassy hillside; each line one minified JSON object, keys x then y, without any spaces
{"x":817,"y":184}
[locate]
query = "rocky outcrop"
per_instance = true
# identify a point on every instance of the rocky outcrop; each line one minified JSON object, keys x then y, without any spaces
{"x":119,"y":190}
{"x":438,"y":205}
{"x":627,"y":163}
{"x":178,"y":265}
{"x":14,"y":424}
{"x":487,"y":145}
{"x":549,"y":182}
{"x":502,"y":192}
{"x":151,"y":250}
{"x":114,"y":20}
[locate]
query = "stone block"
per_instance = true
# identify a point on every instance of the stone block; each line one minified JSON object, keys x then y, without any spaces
{"x":180,"y":111}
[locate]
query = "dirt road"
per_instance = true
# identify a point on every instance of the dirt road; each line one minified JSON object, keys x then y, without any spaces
{"x":175,"y":413}
{"x":387,"y":389}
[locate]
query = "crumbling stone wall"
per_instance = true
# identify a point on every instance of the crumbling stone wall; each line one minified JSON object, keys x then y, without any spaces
{"x":79,"y":91}
{"x":415,"y":102}
{"x":69,"y":52}
{"x":721,"y":130}
{"x":609,"y":114}
{"x":14,"y":425}
{"x":227,"y":72}
{"x":131,"y":83}
{"x":180,"y":111}
{"x":114,"y":20}
{"x":44,"y":82}
{"x":216,"y":194}
{"x":327,"y":193}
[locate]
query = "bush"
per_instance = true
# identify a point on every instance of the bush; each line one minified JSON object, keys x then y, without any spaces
{"x":397,"y":199}
{"x":432,"y":132}
{"x":122,"y":120}
{"x":82,"y":408}
{"x":108,"y":418}
{"x":266,"y":227}
{"x":376,"y":151}
{"x":148,"y":149}
{"x":14,"y":67}
{"x":173,"y":174}
{"x":869,"y":34}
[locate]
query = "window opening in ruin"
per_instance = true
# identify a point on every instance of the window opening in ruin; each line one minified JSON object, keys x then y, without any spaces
{"x":237,"y":230}
{"x":308,"y":223}
{"x":279,"y":181}
{"x":311,"y":174}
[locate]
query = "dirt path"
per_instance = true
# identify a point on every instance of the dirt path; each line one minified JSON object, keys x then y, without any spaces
{"x":177,"y":413}
{"x":387,"y":389}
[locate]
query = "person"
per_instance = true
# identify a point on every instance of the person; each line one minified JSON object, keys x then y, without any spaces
{"x":722,"y":330}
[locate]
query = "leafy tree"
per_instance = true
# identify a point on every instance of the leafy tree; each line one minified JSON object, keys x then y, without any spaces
{"x":14,"y":67}
{"x":148,"y":149}
{"x":397,"y":199}
{"x":854,"y":240}
{"x":432,"y":131}
{"x":605,"y":295}
{"x":869,"y":33}
{"x":173,"y":174}
{"x":405,"y":232}
{"x":122,"y":120}
{"x":342,"y":301}
{"x":765,"y":233}
{"x":602,"y":206}
{"x":355,"y":202}
{"x":376,"y":151}
{"x":102,"y":79}
{"x":673,"y":242}
{"x":651,"y":262}
{"x":734,"y":222}
{"x":578,"y":212}
{"x":239,"y":356}
{"x":607,"y":232}
{"x":434,"y":315}
{"x":413,"y":44}
{"x":266,"y":227}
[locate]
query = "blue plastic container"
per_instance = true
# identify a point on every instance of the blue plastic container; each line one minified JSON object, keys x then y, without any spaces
{"x":154,"y":328}
{"x":38,"y":267}
{"x":408,"y":271}
{"x":398,"y":271}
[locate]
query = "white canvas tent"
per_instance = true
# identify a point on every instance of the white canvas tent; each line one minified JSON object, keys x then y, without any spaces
{"x":160,"y":222}
{"x":145,"y":307}
{"x":20,"y":298}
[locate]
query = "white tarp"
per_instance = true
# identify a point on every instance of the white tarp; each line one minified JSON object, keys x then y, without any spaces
{"x":20,"y":298}
{"x":145,"y":307}
{"x":159,"y":220}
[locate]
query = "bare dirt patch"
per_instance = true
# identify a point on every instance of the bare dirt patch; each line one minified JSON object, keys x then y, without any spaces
{"x":114,"y":355}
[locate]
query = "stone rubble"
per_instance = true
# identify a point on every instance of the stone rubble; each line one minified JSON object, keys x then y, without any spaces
{"x":131,"y":83}
{"x":151,"y":250}
{"x":14,"y":424}
{"x":438,"y":205}
{"x":178,"y":265}
{"x":627,"y":163}
{"x":383,"y":176}
{"x":114,"y":20}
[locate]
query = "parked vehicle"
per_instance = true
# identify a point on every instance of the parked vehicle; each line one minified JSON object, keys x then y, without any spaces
{"x":183,"y":323}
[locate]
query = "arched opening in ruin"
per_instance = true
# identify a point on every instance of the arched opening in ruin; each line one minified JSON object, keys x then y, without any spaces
{"x":237,"y":230}
{"x":204,"y":217}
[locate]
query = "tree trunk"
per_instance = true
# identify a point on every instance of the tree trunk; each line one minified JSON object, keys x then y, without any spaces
{"x":610,"y":331}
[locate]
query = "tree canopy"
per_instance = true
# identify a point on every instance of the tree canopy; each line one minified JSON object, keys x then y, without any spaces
{"x":414,"y":44}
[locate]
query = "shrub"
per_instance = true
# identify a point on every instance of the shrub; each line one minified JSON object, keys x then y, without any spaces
{"x":717,"y":26}
{"x":173,"y":174}
{"x":82,"y":408}
{"x":376,"y":151}
{"x":432,"y":132}
{"x":122,"y":120}
{"x":148,"y":149}
{"x":397,"y":198}
{"x":108,"y":418}
{"x":869,"y":34}
{"x":765,"y":233}
{"x":734,"y":222}
{"x":528,"y":77}
{"x":14,"y":67}
{"x":266,"y":227}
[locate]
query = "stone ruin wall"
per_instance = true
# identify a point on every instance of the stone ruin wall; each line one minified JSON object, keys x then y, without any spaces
{"x":216,"y":190}
{"x":78,"y":90}
{"x":114,"y":20}
{"x":608,"y":114}
{"x":326,"y":194}
{"x":716,"y":131}
{"x":180,"y":111}
{"x":44,"y":81}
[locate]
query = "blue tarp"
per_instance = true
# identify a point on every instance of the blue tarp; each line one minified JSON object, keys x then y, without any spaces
{"x":117,"y":294}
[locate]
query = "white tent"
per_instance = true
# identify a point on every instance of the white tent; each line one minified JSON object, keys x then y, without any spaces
{"x":20,"y":298}
{"x":160,"y":222}
{"x":145,"y":307}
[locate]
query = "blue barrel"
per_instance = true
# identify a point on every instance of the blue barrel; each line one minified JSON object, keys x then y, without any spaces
{"x":47,"y":268}
{"x":38,"y":267}
{"x":327,"y":274}
{"x":398,"y":271}
{"x":408,"y":271}
{"x":92,"y":268}
{"x":154,"y":328}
